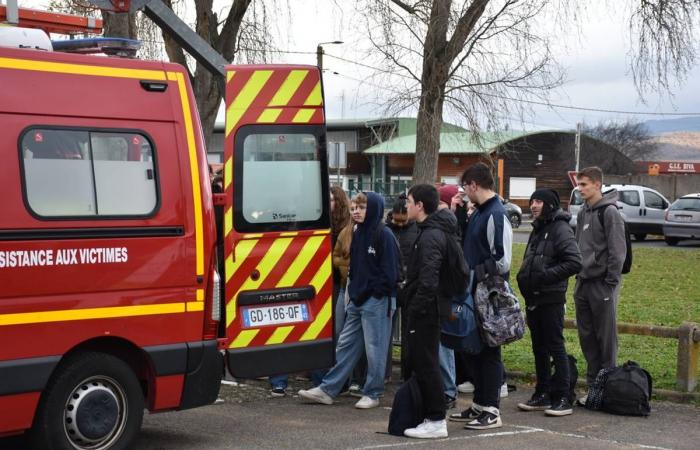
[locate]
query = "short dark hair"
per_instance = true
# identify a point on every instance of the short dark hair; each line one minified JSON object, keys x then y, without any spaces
{"x":427,"y":194}
{"x":479,"y":173}
{"x":399,"y":205}
{"x":595,"y":173}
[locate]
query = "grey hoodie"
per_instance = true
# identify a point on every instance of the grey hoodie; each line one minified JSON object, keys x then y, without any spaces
{"x":603,"y":249}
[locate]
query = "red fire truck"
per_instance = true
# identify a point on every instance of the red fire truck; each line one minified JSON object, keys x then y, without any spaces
{"x":116,"y":293}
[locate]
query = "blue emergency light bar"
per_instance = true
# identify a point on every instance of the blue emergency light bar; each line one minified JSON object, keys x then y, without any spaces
{"x":122,"y":47}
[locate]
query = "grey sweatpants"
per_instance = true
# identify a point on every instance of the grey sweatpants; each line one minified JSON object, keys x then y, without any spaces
{"x":596,"y":317}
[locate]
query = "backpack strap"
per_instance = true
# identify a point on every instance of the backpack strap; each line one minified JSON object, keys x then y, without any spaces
{"x":601,"y":215}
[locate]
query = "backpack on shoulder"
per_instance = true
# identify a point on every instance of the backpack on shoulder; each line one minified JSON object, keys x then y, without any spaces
{"x":460,"y":329}
{"x":624,"y":390}
{"x":502,"y":321}
{"x":627,"y":265}
{"x":454,"y":274}
{"x":407,"y":409}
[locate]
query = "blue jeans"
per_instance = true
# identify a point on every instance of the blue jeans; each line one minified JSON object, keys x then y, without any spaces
{"x":366,"y":327}
{"x":447,"y":370}
{"x":279,"y":381}
{"x":340,"y":312}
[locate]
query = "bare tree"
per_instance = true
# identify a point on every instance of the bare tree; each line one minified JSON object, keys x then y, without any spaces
{"x":238,"y":32}
{"x":472,"y":57}
{"x":631,"y":137}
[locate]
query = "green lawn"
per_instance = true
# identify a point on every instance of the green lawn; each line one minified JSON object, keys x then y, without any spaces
{"x":663,"y":288}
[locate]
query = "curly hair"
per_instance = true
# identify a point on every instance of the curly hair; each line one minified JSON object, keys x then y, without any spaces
{"x":340,"y":217}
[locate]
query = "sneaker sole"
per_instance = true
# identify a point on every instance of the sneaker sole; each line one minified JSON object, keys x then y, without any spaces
{"x":313,"y":399}
{"x":274,"y":394}
{"x":460,"y":419}
{"x":427,"y":435}
{"x":483,"y":427}
{"x":567,"y":412}
{"x":528,"y":408}
{"x":465,"y":391}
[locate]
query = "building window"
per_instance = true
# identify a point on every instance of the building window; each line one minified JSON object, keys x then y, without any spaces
{"x":522,"y":187}
{"x":86,"y":173}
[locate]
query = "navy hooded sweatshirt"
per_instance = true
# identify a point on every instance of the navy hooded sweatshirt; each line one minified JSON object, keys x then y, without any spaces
{"x":374,"y":272}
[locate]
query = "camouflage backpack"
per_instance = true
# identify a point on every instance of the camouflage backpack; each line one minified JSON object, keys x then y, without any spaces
{"x":499,"y":312}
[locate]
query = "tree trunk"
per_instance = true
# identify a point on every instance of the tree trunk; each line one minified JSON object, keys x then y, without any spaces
{"x":428,"y":135}
{"x":121,"y":25}
{"x":206,"y":91}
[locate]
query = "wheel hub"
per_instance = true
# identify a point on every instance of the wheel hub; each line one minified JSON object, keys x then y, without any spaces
{"x":93,"y":414}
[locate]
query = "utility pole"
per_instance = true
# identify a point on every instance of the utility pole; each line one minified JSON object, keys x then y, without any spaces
{"x":319,"y":53}
{"x":577,"y":148}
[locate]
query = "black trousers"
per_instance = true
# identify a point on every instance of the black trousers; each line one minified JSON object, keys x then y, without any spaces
{"x":423,"y":335}
{"x":546,"y":323}
{"x":489,"y":375}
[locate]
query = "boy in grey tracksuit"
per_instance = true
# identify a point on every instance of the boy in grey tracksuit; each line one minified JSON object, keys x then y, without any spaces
{"x":603,"y":249}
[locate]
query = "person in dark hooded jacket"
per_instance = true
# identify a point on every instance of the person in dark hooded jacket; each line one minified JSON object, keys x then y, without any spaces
{"x":551,"y":257}
{"x":372,"y":282}
{"x":427,"y":303}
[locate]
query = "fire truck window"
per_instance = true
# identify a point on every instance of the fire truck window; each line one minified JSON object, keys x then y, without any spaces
{"x":124,"y":181}
{"x":58,"y":173}
{"x":281,"y":178}
{"x":78,"y":173}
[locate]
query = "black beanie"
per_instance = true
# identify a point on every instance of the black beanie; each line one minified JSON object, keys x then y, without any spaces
{"x":550,"y":197}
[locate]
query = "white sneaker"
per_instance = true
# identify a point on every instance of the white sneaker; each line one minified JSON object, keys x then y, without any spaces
{"x":355,"y":390}
{"x":466,"y":388}
{"x":429,"y":429}
{"x":504,"y":390}
{"x":367,"y":403}
{"x":316,"y":395}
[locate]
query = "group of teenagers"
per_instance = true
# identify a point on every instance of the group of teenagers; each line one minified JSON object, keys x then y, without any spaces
{"x":380,"y":264}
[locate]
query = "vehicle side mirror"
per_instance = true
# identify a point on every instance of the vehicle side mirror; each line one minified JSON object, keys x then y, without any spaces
{"x":664,"y":204}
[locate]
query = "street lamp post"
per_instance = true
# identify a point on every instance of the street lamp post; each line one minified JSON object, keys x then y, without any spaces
{"x":319,"y":53}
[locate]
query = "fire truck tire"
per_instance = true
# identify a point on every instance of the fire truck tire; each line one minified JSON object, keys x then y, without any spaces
{"x":94,"y":401}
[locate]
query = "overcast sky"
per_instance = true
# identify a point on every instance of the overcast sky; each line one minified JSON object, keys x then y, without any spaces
{"x":596,"y":61}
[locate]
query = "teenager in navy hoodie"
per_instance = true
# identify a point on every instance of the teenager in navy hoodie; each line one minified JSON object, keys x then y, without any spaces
{"x":372,"y":282}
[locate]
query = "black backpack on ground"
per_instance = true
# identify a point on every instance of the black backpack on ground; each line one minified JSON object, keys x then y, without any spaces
{"x":624,"y":390}
{"x":573,"y":378}
{"x":407,"y":409}
{"x":627,"y":265}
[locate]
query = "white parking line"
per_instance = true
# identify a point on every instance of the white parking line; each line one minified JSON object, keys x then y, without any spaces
{"x":521,"y":430}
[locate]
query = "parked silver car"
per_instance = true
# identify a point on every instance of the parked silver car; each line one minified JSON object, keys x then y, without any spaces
{"x":683,"y":219}
{"x":642,"y":208}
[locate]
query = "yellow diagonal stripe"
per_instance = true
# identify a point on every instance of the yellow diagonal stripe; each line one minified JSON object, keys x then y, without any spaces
{"x":80,"y":69}
{"x":242,"y":251}
{"x":90,"y":313}
{"x":324,"y":272}
{"x":288,"y":88}
{"x":270,"y":115}
{"x":315,"y":98}
{"x":300,"y":262}
{"x":273,"y":254}
{"x":321,"y":320}
{"x":279,"y":335}
{"x":303,"y":115}
{"x":243,"y":339}
{"x":228,"y":172}
{"x":230,"y":75}
{"x":245,"y":98}
{"x":228,"y":221}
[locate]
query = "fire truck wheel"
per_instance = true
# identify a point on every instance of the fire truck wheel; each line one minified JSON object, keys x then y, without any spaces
{"x":94,"y":401}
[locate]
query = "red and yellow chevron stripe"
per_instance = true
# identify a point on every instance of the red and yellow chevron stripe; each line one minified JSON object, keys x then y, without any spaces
{"x":284,"y":95}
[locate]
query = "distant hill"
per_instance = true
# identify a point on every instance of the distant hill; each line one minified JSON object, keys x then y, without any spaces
{"x":657,"y":127}
{"x":678,"y":146}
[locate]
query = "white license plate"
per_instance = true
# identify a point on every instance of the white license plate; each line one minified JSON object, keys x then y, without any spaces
{"x":275,"y":315}
{"x":683,"y":218}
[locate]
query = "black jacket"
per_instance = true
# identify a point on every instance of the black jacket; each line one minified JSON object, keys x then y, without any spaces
{"x":423,"y":293}
{"x":406,"y":235}
{"x":551,"y":257}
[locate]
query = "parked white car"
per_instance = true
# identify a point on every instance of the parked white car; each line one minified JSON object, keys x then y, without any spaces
{"x":642,"y":208}
{"x":683,"y":219}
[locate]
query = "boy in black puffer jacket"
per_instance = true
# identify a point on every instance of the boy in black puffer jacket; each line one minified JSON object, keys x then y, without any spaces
{"x":551,"y":257}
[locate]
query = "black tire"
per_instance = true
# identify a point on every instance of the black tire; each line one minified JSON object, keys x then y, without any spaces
{"x":671,"y":241}
{"x":515,"y":220}
{"x":85,"y":384}
{"x":640,"y":236}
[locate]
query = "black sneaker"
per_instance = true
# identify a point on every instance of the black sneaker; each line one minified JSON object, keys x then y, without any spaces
{"x":450,"y":402}
{"x":278,"y":392}
{"x":538,"y":402}
{"x":467,"y":415}
{"x":560,"y":408}
{"x":485,"y":421}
